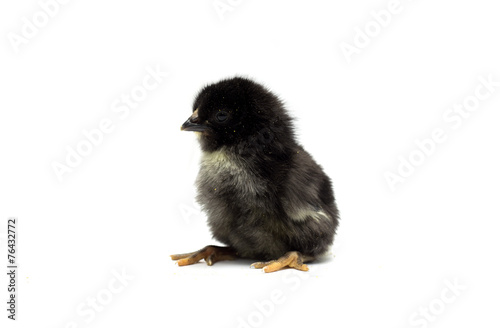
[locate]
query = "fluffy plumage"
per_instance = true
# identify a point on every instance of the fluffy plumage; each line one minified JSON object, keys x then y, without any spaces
{"x":264,"y":195}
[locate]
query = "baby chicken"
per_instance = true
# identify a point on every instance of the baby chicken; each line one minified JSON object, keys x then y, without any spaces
{"x":265,"y":197}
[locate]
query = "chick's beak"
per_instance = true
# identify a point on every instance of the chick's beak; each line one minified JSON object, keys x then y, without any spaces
{"x":193,"y":123}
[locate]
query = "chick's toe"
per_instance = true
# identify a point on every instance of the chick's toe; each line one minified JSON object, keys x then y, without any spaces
{"x":211,"y":254}
{"x":291,"y":259}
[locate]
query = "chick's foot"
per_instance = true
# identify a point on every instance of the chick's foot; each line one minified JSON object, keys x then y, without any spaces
{"x":210,"y":254}
{"x":291,"y":259}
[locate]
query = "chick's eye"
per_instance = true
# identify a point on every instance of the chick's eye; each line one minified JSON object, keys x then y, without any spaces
{"x":221,"y":116}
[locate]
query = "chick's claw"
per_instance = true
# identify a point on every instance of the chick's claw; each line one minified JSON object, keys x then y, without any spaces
{"x":291,"y":259}
{"x":211,"y":254}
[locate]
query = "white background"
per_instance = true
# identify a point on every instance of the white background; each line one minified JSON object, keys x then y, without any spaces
{"x":129,"y":204}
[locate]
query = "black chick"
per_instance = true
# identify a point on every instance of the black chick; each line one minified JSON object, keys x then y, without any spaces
{"x":264,"y":195}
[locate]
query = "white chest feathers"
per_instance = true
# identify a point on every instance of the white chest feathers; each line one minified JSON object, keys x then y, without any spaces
{"x":227,"y":171}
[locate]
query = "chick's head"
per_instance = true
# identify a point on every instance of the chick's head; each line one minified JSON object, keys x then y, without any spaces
{"x":232,"y":110}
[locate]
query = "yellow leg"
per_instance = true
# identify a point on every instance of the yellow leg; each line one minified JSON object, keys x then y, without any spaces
{"x":210,"y":254}
{"x":291,"y":259}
